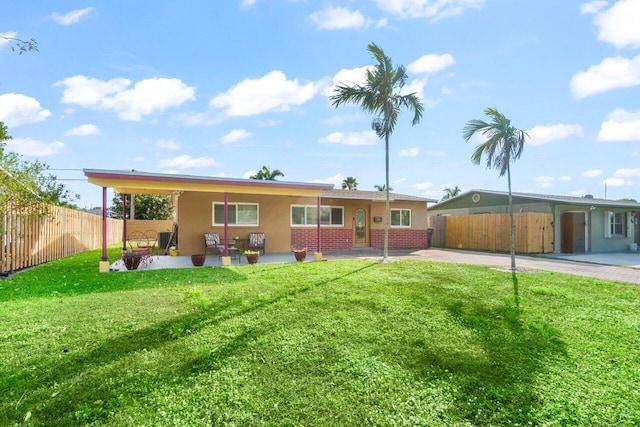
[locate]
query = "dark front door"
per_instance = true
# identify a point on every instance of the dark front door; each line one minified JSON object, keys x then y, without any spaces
{"x":573,"y":232}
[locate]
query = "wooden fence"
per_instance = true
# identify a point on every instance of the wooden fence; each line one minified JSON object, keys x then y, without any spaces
{"x":490,"y":232}
{"x":29,"y":239}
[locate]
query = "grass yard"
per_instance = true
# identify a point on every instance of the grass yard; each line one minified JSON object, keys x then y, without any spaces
{"x":342,"y":343}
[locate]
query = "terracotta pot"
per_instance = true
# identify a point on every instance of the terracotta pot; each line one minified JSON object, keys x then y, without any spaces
{"x":300,"y":255}
{"x":131,"y":262}
{"x":252,"y":258}
{"x":198,"y":259}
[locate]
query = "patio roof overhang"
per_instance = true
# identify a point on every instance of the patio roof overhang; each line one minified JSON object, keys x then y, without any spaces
{"x":136,"y":182}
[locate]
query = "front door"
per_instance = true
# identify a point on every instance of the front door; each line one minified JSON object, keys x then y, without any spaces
{"x":573,"y":232}
{"x":360,"y":228}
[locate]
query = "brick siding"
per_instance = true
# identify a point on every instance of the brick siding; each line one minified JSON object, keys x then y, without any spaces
{"x":400,"y":238}
{"x":340,"y":238}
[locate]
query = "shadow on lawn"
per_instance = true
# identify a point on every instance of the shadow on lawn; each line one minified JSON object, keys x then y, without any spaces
{"x":96,"y":382}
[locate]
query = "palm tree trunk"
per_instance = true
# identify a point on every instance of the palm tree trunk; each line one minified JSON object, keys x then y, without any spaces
{"x":512,"y":228}
{"x":387,"y":207}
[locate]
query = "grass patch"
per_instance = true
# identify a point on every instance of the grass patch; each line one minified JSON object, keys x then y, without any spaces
{"x":333,"y":343}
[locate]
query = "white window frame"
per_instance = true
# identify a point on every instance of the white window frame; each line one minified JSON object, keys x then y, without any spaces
{"x":610,"y":222}
{"x":314,"y":208}
{"x":400,"y":210}
{"x":235,"y":223}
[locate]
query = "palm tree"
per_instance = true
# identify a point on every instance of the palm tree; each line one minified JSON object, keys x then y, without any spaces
{"x":381,"y":95}
{"x":349,"y":183}
{"x":266,"y":174}
{"x":504,"y":144}
{"x":382,"y":187}
{"x":450,"y":193}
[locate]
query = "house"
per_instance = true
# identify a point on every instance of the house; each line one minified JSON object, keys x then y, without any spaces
{"x":287,"y":212}
{"x":580,"y":224}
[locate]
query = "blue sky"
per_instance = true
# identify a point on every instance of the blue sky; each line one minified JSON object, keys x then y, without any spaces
{"x":222,"y":88}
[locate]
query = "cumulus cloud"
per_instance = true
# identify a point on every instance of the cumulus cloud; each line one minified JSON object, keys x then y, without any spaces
{"x":348,"y":77}
{"x":7,"y":35}
{"x":187,"y":162}
{"x":17,"y":109}
{"x":235,"y":135}
{"x":617,"y":25}
{"x":145,"y":97}
{"x":626,"y":173}
{"x":338,"y":18}
{"x":83,"y":130}
{"x":72,"y":17}
{"x":429,"y":64}
{"x":617,"y":182}
{"x":351,"y":138}
{"x":336,"y":180}
{"x":431,"y":9}
{"x":544,"y":181}
{"x":611,"y":73}
{"x":409,"y":152}
{"x":272,"y":92}
{"x":543,"y":134}
{"x":592,"y":173}
{"x":33,"y":147}
{"x":620,"y":125}
{"x":422,"y":186}
{"x":168,"y":144}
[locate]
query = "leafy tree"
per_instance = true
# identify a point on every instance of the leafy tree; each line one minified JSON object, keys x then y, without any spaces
{"x":504,"y":144}
{"x":381,"y":96}
{"x":450,"y":193}
{"x":147,"y":206}
{"x":382,"y":187}
{"x":266,"y":174}
{"x":20,"y":45}
{"x":349,"y":183}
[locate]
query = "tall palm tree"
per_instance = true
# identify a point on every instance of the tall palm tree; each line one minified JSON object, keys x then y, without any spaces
{"x":382,"y":187}
{"x":349,"y":183}
{"x":450,"y":193}
{"x":266,"y":174}
{"x":504,"y":144}
{"x":381,"y":95}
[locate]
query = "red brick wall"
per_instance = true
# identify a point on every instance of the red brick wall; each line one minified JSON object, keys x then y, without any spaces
{"x":400,"y":238}
{"x":331,"y":239}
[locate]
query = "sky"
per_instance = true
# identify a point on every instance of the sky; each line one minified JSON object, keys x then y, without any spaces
{"x":221,"y":88}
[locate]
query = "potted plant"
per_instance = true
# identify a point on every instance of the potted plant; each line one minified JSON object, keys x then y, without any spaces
{"x":252,"y":256}
{"x":131,"y":260}
{"x":198,"y":259}
{"x":300,"y":254}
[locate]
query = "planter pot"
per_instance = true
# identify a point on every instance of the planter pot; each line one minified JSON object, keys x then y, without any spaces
{"x":198,"y":259}
{"x":131,"y":262}
{"x":252,"y":258}
{"x":300,"y":255}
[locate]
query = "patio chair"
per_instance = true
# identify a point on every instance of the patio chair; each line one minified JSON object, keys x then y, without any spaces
{"x":256,"y":241}
{"x":212,"y":243}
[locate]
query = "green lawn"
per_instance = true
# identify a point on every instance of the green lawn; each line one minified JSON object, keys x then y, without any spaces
{"x":341,"y":343}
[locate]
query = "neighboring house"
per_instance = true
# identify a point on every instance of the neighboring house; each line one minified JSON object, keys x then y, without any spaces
{"x":287,"y":212}
{"x":580,"y":224}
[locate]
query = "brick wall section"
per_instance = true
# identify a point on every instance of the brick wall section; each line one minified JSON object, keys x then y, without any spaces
{"x":400,"y":238}
{"x":332,"y":239}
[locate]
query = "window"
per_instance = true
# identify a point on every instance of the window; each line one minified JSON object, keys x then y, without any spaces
{"x":401,"y":217}
{"x":308,"y":215}
{"x":239,"y":213}
{"x":615,"y":225}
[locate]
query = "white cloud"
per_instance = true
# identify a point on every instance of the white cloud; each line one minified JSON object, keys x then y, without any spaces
{"x":429,"y":64}
{"x":617,"y":182}
{"x":169,"y":144}
{"x":83,"y":130}
{"x":337,"y":18}
{"x":146,"y":97}
{"x":543,"y":134}
{"x":351,"y":138}
{"x":7,"y":34}
{"x":348,"y":77}
{"x":248,"y":174}
{"x":626,"y":173}
{"x":72,"y":17}
{"x":187,"y":162}
{"x":432,"y":9}
{"x":336,"y":180}
{"x":416,"y":86}
{"x":272,"y":92}
{"x":617,"y":25}
{"x":32,"y":147}
{"x":17,"y":109}
{"x":409,"y":152}
{"x":564,"y":179}
{"x":247,"y":3}
{"x":545,"y":181}
{"x":399,"y":180}
{"x":621,"y":125}
{"x":611,"y":73}
{"x":592,"y":173}
{"x":422,"y":186}
{"x":235,"y":135}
